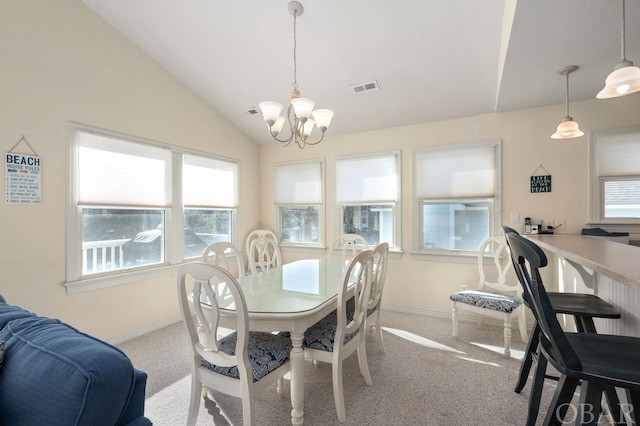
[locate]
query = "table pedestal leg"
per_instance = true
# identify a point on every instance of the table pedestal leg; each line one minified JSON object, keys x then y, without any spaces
{"x":297,"y":379}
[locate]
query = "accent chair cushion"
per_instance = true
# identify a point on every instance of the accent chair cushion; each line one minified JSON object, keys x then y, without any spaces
{"x":488,"y":300}
{"x":2,"y":343}
{"x":267,"y":353}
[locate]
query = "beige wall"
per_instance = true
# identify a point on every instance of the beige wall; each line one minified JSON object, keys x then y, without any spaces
{"x":60,"y":62}
{"x":425,"y":286}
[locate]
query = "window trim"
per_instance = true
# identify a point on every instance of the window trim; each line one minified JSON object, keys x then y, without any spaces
{"x":75,"y":282}
{"x":596,"y":184}
{"x":396,"y":244}
{"x":277,"y":210}
{"x":420,"y":253}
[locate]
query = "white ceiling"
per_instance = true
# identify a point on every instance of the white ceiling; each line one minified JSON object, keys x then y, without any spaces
{"x":433,"y":59}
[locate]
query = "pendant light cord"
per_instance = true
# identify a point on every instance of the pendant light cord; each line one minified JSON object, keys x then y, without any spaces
{"x":622,"y":35}
{"x":567,"y":94}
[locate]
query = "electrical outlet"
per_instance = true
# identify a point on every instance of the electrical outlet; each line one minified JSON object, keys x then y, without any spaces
{"x":560,"y":224}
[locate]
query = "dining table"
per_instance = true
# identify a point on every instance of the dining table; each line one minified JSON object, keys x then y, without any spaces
{"x":291,"y":297}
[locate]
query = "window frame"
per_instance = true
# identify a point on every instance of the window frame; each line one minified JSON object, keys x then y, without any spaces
{"x":320,"y":208}
{"x":396,"y":205}
{"x":494,"y":202}
{"x":174,"y":209}
{"x":597,"y":182}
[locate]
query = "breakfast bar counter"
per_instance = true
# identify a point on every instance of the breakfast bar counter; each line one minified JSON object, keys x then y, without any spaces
{"x":614,"y":273}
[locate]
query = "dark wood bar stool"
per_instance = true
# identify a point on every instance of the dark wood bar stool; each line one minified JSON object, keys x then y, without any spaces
{"x":598,"y":363}
{"x":584,"y":308}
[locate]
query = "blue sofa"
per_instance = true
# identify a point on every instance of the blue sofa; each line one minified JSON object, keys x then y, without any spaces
{"x":52,"y":374}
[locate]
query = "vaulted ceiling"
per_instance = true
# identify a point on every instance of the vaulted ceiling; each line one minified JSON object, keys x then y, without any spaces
{"x":432,"y":59}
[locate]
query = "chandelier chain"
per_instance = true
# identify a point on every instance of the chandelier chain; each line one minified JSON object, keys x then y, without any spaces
{"x":295,"y":65}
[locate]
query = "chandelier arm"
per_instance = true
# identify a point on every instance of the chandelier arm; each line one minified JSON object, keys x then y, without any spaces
{"x":306,"y":141}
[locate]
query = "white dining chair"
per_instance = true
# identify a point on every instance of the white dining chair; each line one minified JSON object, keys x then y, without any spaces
{"x":500,"y":299}
{"x":346,"y":246}
{"x":264,"y":253}
{"x":225,"y":255}
{"x":337,"y":336}
{"x":380,"y":258}
{"x":239,"y":364}
{"x":257,"y":233}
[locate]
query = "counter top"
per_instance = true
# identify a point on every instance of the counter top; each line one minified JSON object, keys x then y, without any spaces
{"x":618,"y":261}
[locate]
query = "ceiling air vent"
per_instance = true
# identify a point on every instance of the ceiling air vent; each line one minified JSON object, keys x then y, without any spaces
{"x":364,"y":87}
{"x":249,"y":112}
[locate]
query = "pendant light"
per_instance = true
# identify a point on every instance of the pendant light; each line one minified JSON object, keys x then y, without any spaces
{"x":568,"y":128}
{"x":625,"y":78}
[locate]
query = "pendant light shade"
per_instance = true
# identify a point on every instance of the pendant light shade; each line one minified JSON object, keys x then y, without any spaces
{"x":625,"y":78}
{"x":567,"y":129}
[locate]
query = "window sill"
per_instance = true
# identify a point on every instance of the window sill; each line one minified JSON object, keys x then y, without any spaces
{"x":450,"y":257}
{"x":106,"y":280}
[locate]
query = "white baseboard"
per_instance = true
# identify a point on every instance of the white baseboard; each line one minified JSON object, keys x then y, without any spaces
{"x":116,"y":340}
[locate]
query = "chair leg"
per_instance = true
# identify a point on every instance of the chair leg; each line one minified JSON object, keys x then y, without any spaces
{"x":279,"y":385}
{"x":633,"y":403}
{"x":378,"y":327}
{"x":613,"y":402}
{"x":363,"y":363}
{"x":454,"y":319}
{"x":560,"y":401}
{"x":522,"y":325}
{"x":194,"y":404}
{"x":590,"y":405}
{"x":525,"y":367}
{"x":536,"y":389}
{"x":247,"y":410}
{"x":507,"y":337}
{"x":338,"y":391}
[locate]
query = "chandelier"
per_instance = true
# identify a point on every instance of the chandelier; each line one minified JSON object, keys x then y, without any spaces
{"x":301,"y":116}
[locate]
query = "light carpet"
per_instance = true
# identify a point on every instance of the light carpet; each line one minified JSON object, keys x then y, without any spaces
{"x":425,"y":378}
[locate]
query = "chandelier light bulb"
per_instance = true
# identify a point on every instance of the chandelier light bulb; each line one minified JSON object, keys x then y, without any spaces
{"x":323,"y":118}
{"x":303,"y":107}
{"x":270,"y":111}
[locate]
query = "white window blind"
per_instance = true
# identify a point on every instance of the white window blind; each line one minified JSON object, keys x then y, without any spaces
{"x":209,"y":182}
{"x":618,"y":154}
{"x":113,"y":171}
{"x":464,"y":172}
{"x":367,"y":179}
{"x":299,"y":183}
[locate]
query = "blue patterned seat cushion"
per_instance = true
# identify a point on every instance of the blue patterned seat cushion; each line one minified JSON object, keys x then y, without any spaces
{"x":267,"y":352}
{"x":488,"y":300}
{"x":322,"y":334}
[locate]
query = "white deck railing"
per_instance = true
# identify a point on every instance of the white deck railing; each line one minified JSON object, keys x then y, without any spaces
{"x":99,"y":256}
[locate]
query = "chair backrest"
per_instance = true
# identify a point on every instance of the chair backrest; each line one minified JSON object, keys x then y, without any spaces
{"x":258,"y":233}
{"x":225,"y":255}
{"x":380,"y":257}
{"x":347,"y":245}
{"x":499,"y":252}
{"x":528,"y":259}
{"x":198,"y":282}
{"x":264,"y":253}
{"x":359,"y":274}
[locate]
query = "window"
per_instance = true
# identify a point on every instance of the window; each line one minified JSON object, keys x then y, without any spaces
{"x":615,"y":171}
{"x":298,"y":199}
{"x":367,"y":197}
{"x":457,"y":195}
{"x":124,"y":213}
